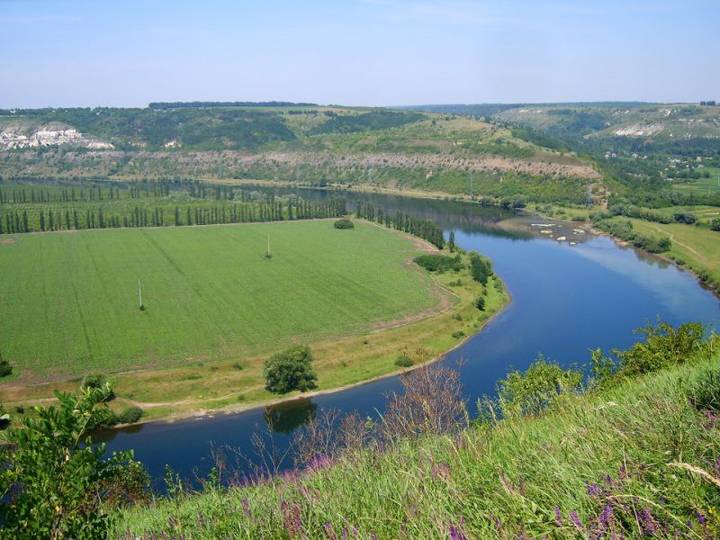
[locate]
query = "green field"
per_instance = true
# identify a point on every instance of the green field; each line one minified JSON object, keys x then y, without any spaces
{"x":692,"y":246}
{"x":702,"y":186}
{"x":70,"y":300}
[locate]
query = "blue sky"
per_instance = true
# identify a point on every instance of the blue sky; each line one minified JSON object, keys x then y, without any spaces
{"x":357,"y":52}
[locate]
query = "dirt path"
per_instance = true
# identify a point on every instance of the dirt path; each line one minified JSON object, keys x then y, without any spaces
{"x":674,"y":240}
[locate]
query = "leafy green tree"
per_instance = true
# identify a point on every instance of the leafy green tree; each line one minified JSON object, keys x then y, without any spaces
{"x":55,"y":479}
{"x":480,"y":268}
{"x":715,"y":224}
{"x":451,"y":242}
{"x":290,"y":370}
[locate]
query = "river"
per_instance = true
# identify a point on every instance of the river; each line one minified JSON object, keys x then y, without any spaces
{"x":566,"y":299}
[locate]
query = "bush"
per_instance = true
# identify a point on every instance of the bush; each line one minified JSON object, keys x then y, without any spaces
{"x":715,"y":224}
{"x":458,"y":334}
{"x":130,"y":415}
{"x":663,"y":346}
{"x":290,"y":370}
{"x":480,"y":303}
{"x":344,"y":224}
{"x":61,"y":472}
{"x":5,"y":368}
{"x":530,"y":393}
{"x":684,"y":217}
{"x":403,"y":361}
{"x":439,"y":263}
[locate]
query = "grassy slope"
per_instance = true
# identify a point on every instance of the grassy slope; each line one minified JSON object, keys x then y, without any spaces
{"x":502,"y":482}
{"x":696,"y":247}
{"x":233,"y":377}
{"x":209,"y":292}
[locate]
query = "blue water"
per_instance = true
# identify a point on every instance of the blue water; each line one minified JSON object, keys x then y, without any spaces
{"x":566,"y":300}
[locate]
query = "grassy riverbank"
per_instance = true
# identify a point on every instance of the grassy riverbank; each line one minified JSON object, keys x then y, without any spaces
{"x":638,"y":460}
{"x":216,"y":308}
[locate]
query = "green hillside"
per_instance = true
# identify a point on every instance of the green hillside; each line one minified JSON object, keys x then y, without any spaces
{"x":297,"y":143}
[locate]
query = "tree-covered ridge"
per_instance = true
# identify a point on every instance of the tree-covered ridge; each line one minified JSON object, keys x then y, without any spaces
{"x":225,"y":104}
{"x":369,"y":121}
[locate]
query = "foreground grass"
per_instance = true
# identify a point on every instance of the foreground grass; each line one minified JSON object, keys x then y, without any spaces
{"x":640,"y":450}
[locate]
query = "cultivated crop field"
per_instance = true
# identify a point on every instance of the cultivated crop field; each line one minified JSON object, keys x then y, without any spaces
{"x":70,"y":299}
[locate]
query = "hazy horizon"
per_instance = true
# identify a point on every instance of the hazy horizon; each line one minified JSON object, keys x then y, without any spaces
{"x":357,"y":53}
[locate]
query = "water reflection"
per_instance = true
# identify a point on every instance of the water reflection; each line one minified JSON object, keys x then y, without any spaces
{"x":288,"y":416}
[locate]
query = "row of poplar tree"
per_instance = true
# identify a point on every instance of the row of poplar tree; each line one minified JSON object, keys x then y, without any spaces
{"x":22,"y":221}
{"x":423,"y":228}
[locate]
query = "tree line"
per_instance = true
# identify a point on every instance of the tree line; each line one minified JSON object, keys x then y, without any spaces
{"x":56,"y":219}
{"x":423,"y":228}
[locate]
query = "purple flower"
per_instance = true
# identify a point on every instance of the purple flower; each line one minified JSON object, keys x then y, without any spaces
{"x":701,"y":518}
{"x":593,"y":490}
{"x":558,"y":517}
{"x":575,"y":519}
{"x":647,"y":522}
{"x":319,"y":462}
{"x":606,"y":516}
{"x":456,"y":533}
{"x":717,"y":467}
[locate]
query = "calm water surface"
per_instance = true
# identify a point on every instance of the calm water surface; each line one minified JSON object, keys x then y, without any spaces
{"x":565,"y":300}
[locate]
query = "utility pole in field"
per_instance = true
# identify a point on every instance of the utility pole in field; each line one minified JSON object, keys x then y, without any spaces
{"x":142,"y":306}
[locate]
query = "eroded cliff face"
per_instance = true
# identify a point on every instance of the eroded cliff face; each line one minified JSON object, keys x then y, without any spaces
{"x":15,"y":136}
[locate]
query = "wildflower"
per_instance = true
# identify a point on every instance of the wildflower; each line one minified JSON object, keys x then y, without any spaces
{"x":606,"y":516}
{"x":701,"y":518}
{"x":456,"y":533}
{"x":593,"y":490}
{"x":558,"y":517}
{"x":575,"y":519}
{"x":292,"y":519}
{"x":246,"y":507}
{"x":647,"y":522}
{"x":319,"y":462}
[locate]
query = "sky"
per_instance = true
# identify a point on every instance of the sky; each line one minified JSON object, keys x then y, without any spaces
{"x":357,"y":52}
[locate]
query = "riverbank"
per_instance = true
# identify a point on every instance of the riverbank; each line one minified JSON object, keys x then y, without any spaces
{"x":593,"y":463}
{"x":236,"y":383}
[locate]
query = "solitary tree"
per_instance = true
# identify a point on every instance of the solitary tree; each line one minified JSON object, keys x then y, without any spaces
{"x":290,"y":370}
{"x":451,"y":241}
